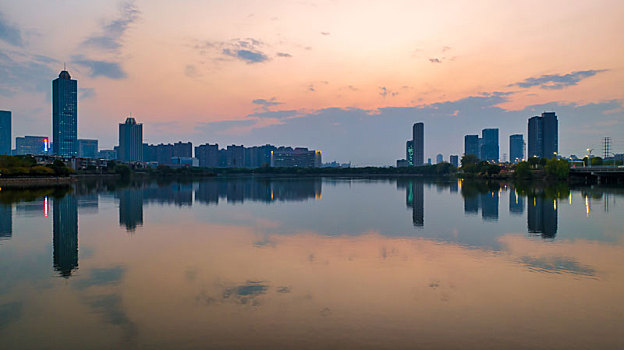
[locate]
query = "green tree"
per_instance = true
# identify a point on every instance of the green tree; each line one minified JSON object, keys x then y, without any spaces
{"x":522,"y":170}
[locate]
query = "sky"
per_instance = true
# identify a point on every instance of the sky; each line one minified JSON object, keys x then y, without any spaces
{"x":346,"y":77}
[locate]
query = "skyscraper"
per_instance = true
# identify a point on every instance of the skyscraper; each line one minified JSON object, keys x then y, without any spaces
{"x":489,"y":146}
{"x":418,"y":141}
{"x":65,"y":115}
{"x":471,"y":145}
{"x":516,"y":148}
{"x":543,"y":134}
{"x":5,"y":132}
{"x":130,"y":141}
{"x":454,"y":159}
{"x":439,"y":158}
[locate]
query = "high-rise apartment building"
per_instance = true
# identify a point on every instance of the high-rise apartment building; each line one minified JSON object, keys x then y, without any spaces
{"x":130,"y":141}
{"x":543,"y":135}
{"x":516,"y":148}
{"x":471,"y":145}
{"x":5,"y":133}
{"x":87,"y":148}
{"x":65,"y":115}
{"x":208,"y":155}
{"x":183,"y":149}
{"x":418,"y":140}
{"x":489,"y":145}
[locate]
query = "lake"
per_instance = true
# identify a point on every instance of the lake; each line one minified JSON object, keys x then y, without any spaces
{"x":312,"y":263}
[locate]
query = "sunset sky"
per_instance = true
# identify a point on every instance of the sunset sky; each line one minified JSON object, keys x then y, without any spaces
{"x":346,"y":77}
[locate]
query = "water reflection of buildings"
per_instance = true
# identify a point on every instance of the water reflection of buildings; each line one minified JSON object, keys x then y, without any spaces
{"x":516,"y":203}
{"x":65,"y":235}
{"x":258,"y":190}
{"x":415,"y":199}
{"x":6,"y":221}
{"x":542,"y":216}
{"x":487,"y":202}
{"x":130,"y":208}
{"x":132,"y":199}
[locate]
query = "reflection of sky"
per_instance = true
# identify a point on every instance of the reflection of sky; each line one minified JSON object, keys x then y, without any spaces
{"x":346,"y":268}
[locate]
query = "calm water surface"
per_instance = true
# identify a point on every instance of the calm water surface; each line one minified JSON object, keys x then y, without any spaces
{"x":312,"y":264}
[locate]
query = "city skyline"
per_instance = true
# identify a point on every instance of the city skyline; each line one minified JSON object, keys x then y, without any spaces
{"x":249,"y":82}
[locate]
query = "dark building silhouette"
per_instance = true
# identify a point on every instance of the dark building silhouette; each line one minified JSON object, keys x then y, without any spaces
{"x":418,"y":141}
{"x":489,"y":145}
{"x":543,"y":135}
{"x":259,"y":156}
{"x":130,"y":141}
{"x":65,"y":235}
{"x":208,"y":155}
{"x":299,"y":157}
{"x":542,"y":216}
{"x":516,"y":148}
{"x":65,"y":115}
{"x":183,"y":149}
{"x":5,"y":132}
{"x":6,"y":221}
{"x":130,"y":208}
{"x":454,"y":159}
{"x":471,"y":145}
{"x":235,"y":156}
{"x":516,"y":203}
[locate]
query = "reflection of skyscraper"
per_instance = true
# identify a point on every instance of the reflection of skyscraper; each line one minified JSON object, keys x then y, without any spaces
{"x":471,"y":205}
{"x":6,"y":221}
{"x":489,"y":205}
{"x":131,"y":208}
{"x":542,"y":216}
{"x":516,"y":203}
{"x":415,"y":199}
{"x":65,"y":235}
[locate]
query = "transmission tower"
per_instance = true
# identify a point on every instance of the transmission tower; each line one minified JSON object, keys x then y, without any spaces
{"x":606,"y":147}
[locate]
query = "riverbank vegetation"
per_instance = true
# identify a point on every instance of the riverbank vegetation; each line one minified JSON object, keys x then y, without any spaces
{"x":26,"y":166}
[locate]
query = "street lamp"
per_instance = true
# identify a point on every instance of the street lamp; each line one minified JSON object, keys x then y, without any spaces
{"x":589,"y":151}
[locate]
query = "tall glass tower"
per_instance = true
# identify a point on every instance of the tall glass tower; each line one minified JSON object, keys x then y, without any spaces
{"x":5,"y":132}
{"x":65,"y":115}
{"x":418,"y":142}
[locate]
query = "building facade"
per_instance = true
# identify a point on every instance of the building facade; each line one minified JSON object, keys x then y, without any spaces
{"x":409,"y":152}
{"x":418,"y":141}
{"x":34,"y":145}
{"x":471,"y":145}
{"x":298,"y":157}
{"x":516,"y":148}
{"x":439,"y":158}
{"x":183,"y":149}
{"x":65,"y":115}
{"x":543,"y":135}
{"x":489,"y":145}
{"x":208,"y":155}
{"x":130,"y":141}
{"x":454,"y":159}
{"x":87,"y":148}
{"x":5,"y":132}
